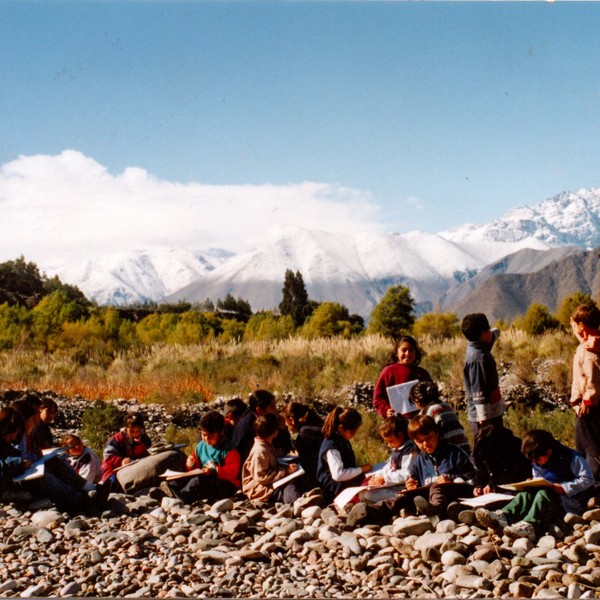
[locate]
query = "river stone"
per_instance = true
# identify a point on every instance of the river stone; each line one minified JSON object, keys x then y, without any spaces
{"x":412,"y":526}
{"x":451,"y":557}
{"x":71,"y":589}
{"x":432,"y":540}
{"x":47,"y":518}
{"x":521,"y":589}
{"x":592,"y":535}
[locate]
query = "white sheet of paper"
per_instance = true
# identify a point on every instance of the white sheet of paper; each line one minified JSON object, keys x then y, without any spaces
{"x":37,"y":469}
{"x":485,"y":499}
{"x":398,"y":396}
{"x":288,"y":478}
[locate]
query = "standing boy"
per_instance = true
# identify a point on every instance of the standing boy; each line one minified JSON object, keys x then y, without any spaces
{"x":585,"y":391}
{"x":484,"y":402}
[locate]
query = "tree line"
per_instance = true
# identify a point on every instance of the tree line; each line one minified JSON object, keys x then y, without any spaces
{"x":44,"y":313}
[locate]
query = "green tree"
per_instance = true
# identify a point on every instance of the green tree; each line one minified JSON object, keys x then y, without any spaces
{"x":21,"y":283}
{"x":330,"y":319}
{"x":239,"y":309}
{"x":50,"y":314}
{"x":267,"y":326}
{"x":15,"y":326}
{"x":536,"y":320}
{"x":294,"y":301}
{"x":568,"y":305}
{"x":394,"y":314}
{"x":437,"y":325}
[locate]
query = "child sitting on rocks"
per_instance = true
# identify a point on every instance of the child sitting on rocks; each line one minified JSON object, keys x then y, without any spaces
{"x":82,"y":458}
{"x":336,"y":466}
{"x":129,"y":444}
{"x":446,"y":468}
{"x":397,"y":469}
{"x":12,"y":464}
{"x":218,"y":461}
{"x":533,"y":510}
{"x":261,"y":469}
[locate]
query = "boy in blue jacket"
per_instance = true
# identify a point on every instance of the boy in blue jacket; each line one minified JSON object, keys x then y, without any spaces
{"x":447,"y":469}
{"x":480,"y":374}
{"x":532,"y":510}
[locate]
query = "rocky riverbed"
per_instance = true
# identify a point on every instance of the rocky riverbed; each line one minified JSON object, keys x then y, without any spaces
{"x":149,"y":546}
{"x":153,"y":546}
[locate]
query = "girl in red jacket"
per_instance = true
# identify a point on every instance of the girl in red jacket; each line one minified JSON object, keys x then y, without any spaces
{"x":404,"y":367}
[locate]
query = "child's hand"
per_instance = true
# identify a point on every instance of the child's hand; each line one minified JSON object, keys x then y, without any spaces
{"x":559,"y":489}
{"x":444,"y":479}
{"x":376,"y":480}
{"x":126,"y":461}
{"x":412,"y":484}
{"x":190,"y":463}
{"x":26,"y":463}
{"x":289,"y":469}
{"x":390,"y":413}
{"x":366,"y":468}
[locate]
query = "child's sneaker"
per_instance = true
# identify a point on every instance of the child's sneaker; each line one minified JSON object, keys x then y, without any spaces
{"x":494,"y":519}
{"x":522,"y":529}
{"x":425,"y":507}
{"x":168,"y":490}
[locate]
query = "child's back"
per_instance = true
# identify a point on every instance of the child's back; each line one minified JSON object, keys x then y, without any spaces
{"x":480,"y":374}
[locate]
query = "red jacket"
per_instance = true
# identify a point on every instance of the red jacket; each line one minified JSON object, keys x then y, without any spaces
{"x":393,"y":375}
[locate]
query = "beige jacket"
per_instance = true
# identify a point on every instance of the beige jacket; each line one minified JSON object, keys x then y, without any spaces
{"x":586,"y":377}
{"x":260,"y":471}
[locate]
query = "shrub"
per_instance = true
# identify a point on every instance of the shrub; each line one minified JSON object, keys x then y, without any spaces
{"x":437,"y":325}
{"x":100,"y":421}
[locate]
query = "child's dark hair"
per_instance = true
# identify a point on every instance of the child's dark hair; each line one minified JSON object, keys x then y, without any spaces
{"x":266,"y":425}
{"x":49,"y":404}
{"x":421,"y":425}
{"x":260,"y":399}
{"x":394,"y":426}
{"x":301,"y":414}
{"x":409,"y":339}
{"x":424,"y":393}
{"x":11,"y":421}
{"x":588,"y":315}
{"x":32,"y":400}
{"x":474,"y":325}
{"x":235,"y":407}
{"x":24,"y":408}
{"x":134,"y":419}
{"x":348,"y":418}
{"x":536,"y":443}
{"x":212,"y":422}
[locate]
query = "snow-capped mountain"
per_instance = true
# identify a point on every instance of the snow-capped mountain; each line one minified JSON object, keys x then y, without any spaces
{"x":140,"y":276}
{"x":569,"y":218}
{"x":354,"y":270}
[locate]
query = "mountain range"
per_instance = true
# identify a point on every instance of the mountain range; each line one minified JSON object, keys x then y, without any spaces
{"x":443,"y":271}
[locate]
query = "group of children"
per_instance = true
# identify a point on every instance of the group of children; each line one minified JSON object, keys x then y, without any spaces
{"x":242,"y":449}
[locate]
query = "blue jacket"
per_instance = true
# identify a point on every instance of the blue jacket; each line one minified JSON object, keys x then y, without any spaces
{"x":480,"y":376}
{"x":447,"y":459}
{"x":571,"y":470}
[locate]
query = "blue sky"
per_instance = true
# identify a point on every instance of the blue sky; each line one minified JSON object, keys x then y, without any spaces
{"x":401,"y":116}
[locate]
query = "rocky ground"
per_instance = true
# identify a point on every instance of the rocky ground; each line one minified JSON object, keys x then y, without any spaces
{"x":153,"y":546}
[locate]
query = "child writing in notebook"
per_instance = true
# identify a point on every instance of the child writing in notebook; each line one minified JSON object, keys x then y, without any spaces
{"x":336,"y":464}
{"x":262,"y":470}
{"x":218,"y":461}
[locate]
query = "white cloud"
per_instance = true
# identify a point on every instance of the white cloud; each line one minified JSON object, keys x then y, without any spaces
{"x":65,"y":208}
